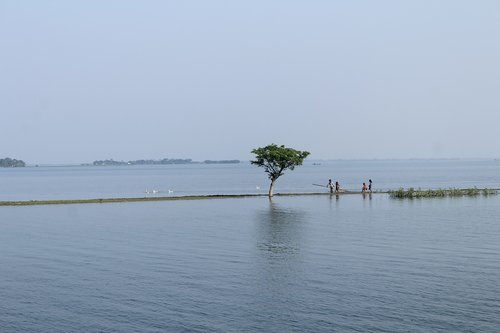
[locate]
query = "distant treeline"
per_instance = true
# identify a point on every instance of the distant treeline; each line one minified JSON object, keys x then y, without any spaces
{"x":160,"y":162}
{"x":144,"y":162}
{"x":222,"y":162}
{"x":11,"y":163}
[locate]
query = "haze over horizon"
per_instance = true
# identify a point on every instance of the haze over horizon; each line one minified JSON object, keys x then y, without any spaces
{"x":89,"y":80}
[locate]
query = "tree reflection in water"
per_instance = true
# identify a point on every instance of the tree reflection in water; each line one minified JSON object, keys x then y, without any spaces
{"x":280,"y":229}
{"x":280,"y":267}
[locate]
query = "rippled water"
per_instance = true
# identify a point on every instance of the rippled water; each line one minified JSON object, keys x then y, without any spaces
{"x":133,"y":181}
{"x":296,"y":264}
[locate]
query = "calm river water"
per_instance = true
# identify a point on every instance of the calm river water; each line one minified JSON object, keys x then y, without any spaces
{"x":198,"y":179}
{"x":293,"y":264}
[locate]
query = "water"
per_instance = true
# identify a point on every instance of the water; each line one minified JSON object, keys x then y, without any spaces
{"x":38,"y":183}
{"x":295,"y":264}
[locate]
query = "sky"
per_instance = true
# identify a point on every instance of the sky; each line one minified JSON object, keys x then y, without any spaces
{"x":89,"y":80}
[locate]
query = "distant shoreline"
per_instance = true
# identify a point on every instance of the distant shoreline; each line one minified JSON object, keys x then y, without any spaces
{"x":315,"y":162}
{"x":165,"y":161}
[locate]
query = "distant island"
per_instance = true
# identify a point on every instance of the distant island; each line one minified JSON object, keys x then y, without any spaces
{"x":11,"y":163}
{"x":165,"y":161}
{"x":222,"y":162}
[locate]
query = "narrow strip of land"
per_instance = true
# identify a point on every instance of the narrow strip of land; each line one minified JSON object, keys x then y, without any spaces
{"x":171,"y":198}
{"x":117,"y":200}
{"x":413,"y":193}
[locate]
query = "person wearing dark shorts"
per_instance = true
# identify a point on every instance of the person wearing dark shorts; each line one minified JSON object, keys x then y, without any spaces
{"x":330,"y":185}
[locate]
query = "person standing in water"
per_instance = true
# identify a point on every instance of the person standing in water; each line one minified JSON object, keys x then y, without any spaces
{"x":330,"y":185}
{"x":364,"y":188}
{"x":337,"y":187}
{"x":369,"y":185}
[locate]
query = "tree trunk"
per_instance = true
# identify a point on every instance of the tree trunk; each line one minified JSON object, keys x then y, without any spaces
{"x":271,"y":187}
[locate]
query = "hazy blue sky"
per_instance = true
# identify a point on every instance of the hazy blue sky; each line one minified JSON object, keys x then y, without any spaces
{"x":86,"y":80}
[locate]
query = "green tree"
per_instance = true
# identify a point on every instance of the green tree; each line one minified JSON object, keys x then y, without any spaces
{"x":276,"y":159}
{"x":11,"y":163}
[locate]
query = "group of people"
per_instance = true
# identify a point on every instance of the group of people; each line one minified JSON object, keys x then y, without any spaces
{"x":369,"y":188}
{"x":332,"y":186}
{"x":336,"y":187}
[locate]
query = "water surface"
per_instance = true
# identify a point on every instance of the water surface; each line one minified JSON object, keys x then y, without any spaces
{"x":43,"y":183}
{"x":296,"y":264}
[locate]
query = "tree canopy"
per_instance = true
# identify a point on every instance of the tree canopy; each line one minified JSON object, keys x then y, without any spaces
{"x":11,"y":163}
{"x":276,"y":159}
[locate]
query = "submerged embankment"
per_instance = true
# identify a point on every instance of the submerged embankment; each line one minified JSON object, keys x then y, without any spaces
{"x":395,"y":194}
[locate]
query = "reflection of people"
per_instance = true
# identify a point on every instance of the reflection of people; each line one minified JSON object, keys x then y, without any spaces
{"x":364,"y":188}
{"x":370,"y":185}
{"x":330,"y":185}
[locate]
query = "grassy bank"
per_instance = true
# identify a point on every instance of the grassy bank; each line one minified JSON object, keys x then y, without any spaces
{"x":411,"y":193}
{"x":147,"y":199}
{"x":398,"y":194}
{"x":118,"y":200}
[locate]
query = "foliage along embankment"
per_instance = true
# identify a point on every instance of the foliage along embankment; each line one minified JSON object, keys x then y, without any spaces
{"x":411,"y":193}
{"x":11,"y":163}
